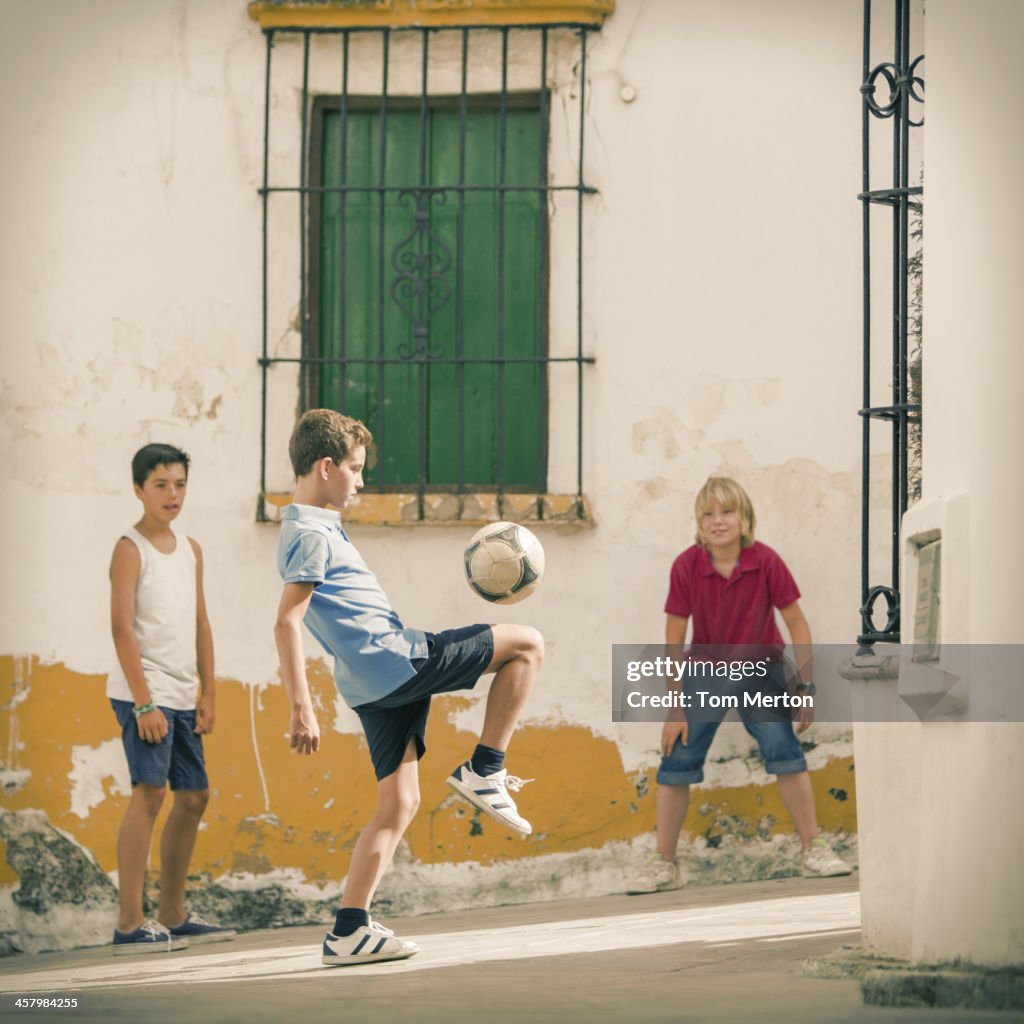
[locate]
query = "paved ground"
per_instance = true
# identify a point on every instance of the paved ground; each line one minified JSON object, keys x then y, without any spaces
{"x":728,"y":953}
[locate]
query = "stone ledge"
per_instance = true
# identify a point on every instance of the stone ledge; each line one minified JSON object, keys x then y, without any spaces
{"x":475,"y":509}
{"x":299,"y":14}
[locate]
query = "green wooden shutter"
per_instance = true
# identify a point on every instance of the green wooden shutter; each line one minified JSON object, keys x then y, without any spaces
{"x":407,"y":405}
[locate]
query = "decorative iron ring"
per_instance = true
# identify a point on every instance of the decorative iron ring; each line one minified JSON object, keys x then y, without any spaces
{"x":900,"y":84}
{"x":892,"y":617}
{"x":890,"y":73}
{"x":912,"y":83}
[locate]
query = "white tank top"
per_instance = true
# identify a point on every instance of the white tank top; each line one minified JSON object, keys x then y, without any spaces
{"x":165,"y":625}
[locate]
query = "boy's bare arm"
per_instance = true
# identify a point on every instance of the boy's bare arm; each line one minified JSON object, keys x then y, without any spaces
{"x":800,"y":640}
{"x":303,"y":729}
{"x":675,"y":725}
{"x":204,"y":652}
{"x":125,"y":566}
{"x":675,"y":629}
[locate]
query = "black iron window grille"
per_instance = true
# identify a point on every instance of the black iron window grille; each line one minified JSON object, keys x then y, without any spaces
{"x":889,"y":92}
{"x":440,"y":234}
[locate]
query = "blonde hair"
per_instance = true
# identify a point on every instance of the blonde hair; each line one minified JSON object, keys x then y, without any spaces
{"x":724,"y":491}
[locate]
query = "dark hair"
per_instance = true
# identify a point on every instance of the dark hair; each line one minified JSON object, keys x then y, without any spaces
{"x":152,"y":455}
{"x":324,"y":433}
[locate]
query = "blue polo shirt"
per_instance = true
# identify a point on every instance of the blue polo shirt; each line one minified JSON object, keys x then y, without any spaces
{"x":348,"y":613}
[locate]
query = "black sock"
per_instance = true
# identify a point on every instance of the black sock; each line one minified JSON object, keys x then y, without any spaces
{"x":487,"y":760}
{"x":348,"y":919}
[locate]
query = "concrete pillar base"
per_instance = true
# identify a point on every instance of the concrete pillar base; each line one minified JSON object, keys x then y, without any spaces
{"x":886,"y":981}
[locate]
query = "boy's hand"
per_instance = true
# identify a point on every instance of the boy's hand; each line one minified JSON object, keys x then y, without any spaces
{"x":152,"y":726}
{"x":304,"y":730}
{"x":204,"y":715}
{"x":672,"y":730}
{"x":803,"y":719}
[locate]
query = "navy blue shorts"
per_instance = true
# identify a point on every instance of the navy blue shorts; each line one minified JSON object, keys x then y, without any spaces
{"x":176,"y":760}
{"x":456,"y":660}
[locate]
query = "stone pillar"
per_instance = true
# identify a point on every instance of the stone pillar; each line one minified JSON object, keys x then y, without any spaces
{"x":954,"y":873}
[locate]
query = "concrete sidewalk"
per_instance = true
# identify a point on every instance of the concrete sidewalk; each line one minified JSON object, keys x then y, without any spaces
{"x":718,"y":953}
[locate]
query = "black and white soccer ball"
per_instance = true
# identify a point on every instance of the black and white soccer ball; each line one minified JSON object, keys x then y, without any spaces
{"x":504,"y":563}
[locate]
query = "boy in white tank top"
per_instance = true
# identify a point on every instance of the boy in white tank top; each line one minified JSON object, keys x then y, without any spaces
{"x":162,"y":692}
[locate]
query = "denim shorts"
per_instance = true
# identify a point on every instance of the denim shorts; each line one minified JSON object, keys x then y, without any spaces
{"x":455,"y":660}
{"x":176,"y":760}
{"x":780,"y":749}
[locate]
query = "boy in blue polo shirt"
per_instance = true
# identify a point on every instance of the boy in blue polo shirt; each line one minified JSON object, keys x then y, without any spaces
{"x":385,"y":671}
{"x":730,"y":584}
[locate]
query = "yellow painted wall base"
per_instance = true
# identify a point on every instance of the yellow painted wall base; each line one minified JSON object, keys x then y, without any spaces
{"x":271,"y":809}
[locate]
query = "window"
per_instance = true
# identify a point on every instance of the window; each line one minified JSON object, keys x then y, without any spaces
{"x":428,"y":278}
{"x":424,"y":202}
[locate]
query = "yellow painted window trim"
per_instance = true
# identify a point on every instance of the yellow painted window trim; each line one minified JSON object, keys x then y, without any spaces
{"x":284,"y":14}
{"x":476,"y":509}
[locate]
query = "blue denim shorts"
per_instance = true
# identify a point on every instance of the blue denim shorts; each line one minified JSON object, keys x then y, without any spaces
{"x":177,"y":760}
{"x":780,"y":749}
{"x":455,"y":661}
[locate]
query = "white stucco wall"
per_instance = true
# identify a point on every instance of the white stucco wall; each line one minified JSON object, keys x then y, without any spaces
{"x":721,"y":303}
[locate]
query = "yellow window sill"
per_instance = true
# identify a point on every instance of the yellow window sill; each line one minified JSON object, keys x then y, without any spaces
{"x":285,"y":14}
{"x":477,"y":509}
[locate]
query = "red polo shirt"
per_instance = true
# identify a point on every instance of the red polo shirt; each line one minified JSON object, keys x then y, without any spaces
{"x":737,"y":610}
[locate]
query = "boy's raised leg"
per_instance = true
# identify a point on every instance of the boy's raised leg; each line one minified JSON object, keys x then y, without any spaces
{"x":483,"y":780}
{"x":518,"y":655}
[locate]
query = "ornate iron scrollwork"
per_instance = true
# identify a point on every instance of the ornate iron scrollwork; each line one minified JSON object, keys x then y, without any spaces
{"x":421,"y":260}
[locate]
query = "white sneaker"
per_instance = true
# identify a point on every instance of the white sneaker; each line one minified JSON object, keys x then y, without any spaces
{"x":821,"y":861}
{"x":658,"y":876}
{"x":489,"y":793}
{"x":368,"y":944}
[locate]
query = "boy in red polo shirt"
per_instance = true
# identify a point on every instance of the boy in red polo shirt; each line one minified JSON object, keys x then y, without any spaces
{"x":730,"y":585}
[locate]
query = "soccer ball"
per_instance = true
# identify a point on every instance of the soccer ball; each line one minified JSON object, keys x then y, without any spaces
{"x":504,"y":563}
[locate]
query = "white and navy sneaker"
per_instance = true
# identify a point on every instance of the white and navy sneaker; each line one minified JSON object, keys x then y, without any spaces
{"x":489,"y":793}
{"x":149,"y":937}
{"x":197,"y":930}
{"x":368,"y":944}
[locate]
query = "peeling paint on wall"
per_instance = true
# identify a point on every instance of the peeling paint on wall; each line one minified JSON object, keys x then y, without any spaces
{"x":290,"y":823}
{"x":90,"y":766}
